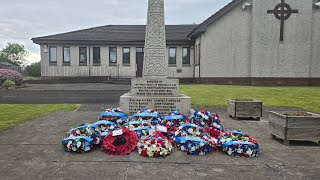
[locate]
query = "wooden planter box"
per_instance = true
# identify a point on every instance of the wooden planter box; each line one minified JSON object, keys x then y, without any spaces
{"x":244,"y":108}
{"x":297,"y":126}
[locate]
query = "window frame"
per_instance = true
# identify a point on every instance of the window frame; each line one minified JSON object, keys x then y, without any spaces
{"x":188,"y":55}
{"x":113,"y":63}
{"x":93,"y":53}
{"x":126,"y":63}
{"x":86,"y":55}
{"x":175,"y":56}
{"x":63,"y":53}
{"x":142,"y":48}
{"x":50,"y":60}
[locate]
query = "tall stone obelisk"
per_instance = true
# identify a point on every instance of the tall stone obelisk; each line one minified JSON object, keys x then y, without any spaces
{"x":154,"y":90}
{"x":155,"y":42}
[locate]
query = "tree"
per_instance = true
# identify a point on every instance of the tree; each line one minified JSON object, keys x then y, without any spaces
{"x":34,"y":69}
{"x":14,"y":52}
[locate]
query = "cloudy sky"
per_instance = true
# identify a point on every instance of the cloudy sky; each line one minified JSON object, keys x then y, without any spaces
{"x":23,"y":19}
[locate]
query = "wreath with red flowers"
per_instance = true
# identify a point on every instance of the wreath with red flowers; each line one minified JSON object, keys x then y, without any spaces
{"x":114,"y":115}
{"x":235,"y":143}
{"x":154,"y":145}
{"x":193,"y":140}
{"x":173,"y":120}
{"x":120,"y":142}
{"x":147,"y":116}
{"x":205,"y":118}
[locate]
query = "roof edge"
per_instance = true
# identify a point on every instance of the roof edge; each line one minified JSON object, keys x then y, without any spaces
{"x":201,"y":28}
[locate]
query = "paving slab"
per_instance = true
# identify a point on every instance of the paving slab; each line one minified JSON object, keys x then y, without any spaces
{"x":33,"y":151}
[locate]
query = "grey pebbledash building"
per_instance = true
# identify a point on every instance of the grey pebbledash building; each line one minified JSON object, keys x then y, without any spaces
{"x":256,"y":42}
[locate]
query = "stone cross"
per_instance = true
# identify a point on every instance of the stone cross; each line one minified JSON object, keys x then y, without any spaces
{"x":155,"y":63}
{"x":282,"y":12}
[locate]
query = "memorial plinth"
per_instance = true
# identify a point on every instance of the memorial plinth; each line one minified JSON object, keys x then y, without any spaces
{"x":154,"y":90}
{"x":158,"y":94}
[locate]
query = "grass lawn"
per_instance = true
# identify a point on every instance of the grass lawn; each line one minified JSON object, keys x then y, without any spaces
{"x":307,"y":98}
{"x":13,"y":114}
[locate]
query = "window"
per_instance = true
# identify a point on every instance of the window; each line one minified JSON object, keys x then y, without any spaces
{"x":53,"y":54}
{"x":83,"y":55}
{"x":172,"y":55}
{"x":96,"y":55}
{"x":140,"y":49}
{"x":126,"y":55}
{"x":186,"y":55}
{"x":66,"y":55}
{"x":113,"y":55}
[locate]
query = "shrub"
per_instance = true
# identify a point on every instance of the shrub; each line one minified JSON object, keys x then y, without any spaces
{"x":7,"y":74}
{"x":8,"y":83}
{"x":34,"y":69}
{"x":29,"y":78}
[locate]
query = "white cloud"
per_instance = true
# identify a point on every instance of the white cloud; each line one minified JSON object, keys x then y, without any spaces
{"x":21,"y":20}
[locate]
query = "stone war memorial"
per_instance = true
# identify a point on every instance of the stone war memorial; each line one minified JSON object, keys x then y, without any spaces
{"x":154,"y":90}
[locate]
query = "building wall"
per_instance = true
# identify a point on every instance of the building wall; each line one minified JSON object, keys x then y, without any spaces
{"x":104,"y":69}
{"x":290,"y":58}
{"x":225,"y":45}
{"x":315,"y":53}
{"x":246,"y":43}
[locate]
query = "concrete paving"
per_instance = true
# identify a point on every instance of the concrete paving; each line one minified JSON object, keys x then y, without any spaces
{"x":33,"y":151}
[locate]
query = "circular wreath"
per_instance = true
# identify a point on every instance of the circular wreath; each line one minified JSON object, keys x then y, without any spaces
{"x":147,"y":116}
{"x":104,"y":127}
{"x":173,"y":120}
{"x":114,"y":115}
{"x":88,"y":130}
{"x":235,"y":143}
{"x":77,"y":144}
{"x":154,"y":145}
{"x":193,"y":140}
{"x":139,"y":127}
{"x":121,"y":144}
{"x":205,"y":118}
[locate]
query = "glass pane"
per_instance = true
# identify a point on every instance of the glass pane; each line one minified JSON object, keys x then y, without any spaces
{"x":172,"y":56}
{"x":53,"y":54}
{"x":126,"y":55}
{"x":186,"y":56}
{"x":83,"y":54}
{"x":96,"y":55}
{"x":66,"y":55}
{"x":113,"y":55}
{"x":140,"y":50}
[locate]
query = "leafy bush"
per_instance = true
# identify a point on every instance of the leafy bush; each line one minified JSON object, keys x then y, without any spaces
{"x":8,"y":83}
{"x":34,"y":69}
{"x":7,"y":74}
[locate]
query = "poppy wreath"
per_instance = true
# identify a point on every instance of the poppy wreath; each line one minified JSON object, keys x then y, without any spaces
{"x":148,"y":116}
{"x":235,"y":143}
{"x":205,"y":118}
{"x":173,"y":120}
{"x":88,"y":130}
{"x":121,"y":144}
{"x":77,"y":144}
{"x":114,"y":115}
{"x":193,"y":140}
{"x":104,"y":127}
{"x":155,"y":145}
{"x":139,"y":127}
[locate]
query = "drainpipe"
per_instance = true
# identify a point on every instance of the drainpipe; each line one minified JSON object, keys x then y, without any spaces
{"x":89,"y":59}
{"x":199,"y":58}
